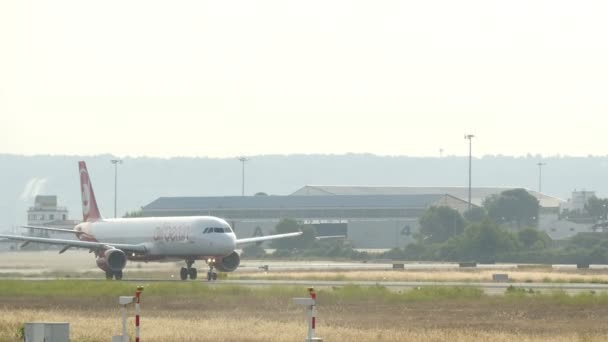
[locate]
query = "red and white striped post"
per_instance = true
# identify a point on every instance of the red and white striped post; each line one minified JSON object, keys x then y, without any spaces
{"x":137,"y":311}
{"x":311,"y":305}
{"x":312,"y":313}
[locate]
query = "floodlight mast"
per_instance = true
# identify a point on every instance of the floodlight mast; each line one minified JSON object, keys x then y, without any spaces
{"x":540,"y":175}
{"x":115,"y":162}
{"x":470,"y":138}
{"x":243,"y":160}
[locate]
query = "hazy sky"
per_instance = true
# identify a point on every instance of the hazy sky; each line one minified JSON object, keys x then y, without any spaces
{"x":223,"y":78}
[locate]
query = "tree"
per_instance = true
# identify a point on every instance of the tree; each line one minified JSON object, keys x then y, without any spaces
{"x":475,"y":214}
{"x":253,"y":251}
{"x":438,"y":224}
{"x":306,"y":240}
{"x":135,"y":213}
{"x":597,"y":207}
{"x":481,"y":242}
{"x":515,"y":205}
{"x":531,"y":238}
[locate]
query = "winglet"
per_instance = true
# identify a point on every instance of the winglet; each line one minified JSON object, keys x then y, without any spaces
{"x":90,"y":211}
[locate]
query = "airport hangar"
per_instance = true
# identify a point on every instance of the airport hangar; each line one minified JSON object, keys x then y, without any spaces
{"x":369,"y":217}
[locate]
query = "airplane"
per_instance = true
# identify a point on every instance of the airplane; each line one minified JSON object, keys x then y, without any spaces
{"x":114,"y":241}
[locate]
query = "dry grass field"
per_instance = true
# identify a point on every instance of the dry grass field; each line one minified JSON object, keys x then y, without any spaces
{"x":166,"y":326}
{"x":198,"y":312}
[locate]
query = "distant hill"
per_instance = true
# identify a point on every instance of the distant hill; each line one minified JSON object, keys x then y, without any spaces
{"x":141,"y":180}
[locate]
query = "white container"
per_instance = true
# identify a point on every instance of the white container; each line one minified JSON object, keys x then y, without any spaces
{"x":47,"y":332}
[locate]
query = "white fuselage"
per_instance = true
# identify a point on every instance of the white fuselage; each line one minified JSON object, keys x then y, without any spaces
{"x":192,"y":236}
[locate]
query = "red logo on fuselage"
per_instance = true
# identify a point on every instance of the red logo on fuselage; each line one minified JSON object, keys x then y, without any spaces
{"x":171,"y":233}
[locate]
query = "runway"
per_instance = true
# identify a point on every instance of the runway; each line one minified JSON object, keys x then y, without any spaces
{"x":488,"y":287}
{"x":49,"y":265}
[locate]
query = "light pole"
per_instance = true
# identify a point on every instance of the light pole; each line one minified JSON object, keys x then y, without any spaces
{"x":470,"y":138}
{"x":115,"y":162}
{"x":243,"y":160}
{"x":540,"y":175}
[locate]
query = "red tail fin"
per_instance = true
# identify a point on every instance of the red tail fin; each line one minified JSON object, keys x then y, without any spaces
{"x":90,"y":212}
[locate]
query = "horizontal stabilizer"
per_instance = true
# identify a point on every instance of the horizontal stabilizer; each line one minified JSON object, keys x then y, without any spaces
{"x":51,"y":229}
{"x":77,"y":243}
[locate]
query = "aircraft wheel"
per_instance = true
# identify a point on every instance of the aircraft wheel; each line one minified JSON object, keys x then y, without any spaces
{"x":214,"y":276}
{"x":193,"y":273}
{"x":118,"y":275}
{"x":109,"y":275}
{"x":183,"y":273}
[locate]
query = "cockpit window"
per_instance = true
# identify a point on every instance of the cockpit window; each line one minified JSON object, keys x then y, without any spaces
{"x":217,"y":230}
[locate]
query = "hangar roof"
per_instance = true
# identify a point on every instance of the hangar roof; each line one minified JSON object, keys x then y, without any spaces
{"x":296,"y":202}
{"x":478,"y":194}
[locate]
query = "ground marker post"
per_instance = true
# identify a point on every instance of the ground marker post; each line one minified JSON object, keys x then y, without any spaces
{"x":311,"y":304}
{"x":137,"y":311}
{"x":123,"y":301}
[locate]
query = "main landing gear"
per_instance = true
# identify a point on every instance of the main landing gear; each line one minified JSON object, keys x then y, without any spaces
{"x":189,"y":271}
{"x":114,"y":274}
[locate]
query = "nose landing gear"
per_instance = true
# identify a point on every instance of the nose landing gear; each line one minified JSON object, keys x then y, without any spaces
{"x":211,"y":274}
{"x":188,"y":271}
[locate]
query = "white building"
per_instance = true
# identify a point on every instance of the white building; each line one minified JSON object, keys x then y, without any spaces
{"x":47,"y":213}
{"x":578,"y":201}
{"x":45,"y":210}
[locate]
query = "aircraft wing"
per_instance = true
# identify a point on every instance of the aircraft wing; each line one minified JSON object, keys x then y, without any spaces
{"x":76,"y":243}
{"x":61,"y":230}
{"x":330,"y":237}
{"x":266,"y":238}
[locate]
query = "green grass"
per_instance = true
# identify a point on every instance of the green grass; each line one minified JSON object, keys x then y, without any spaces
{"x":348,"y":293}
{"x":84,"y":288}
{"x":79,"y":288}
{"x":513,"y":294}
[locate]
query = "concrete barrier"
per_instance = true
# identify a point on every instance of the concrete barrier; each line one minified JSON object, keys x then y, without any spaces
{"x":500,"y":277}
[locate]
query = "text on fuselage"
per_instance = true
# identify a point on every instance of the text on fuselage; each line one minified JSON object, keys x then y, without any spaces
{"x":171,"y":233}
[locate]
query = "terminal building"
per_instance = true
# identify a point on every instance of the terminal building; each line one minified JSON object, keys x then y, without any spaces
{"x":368,"y":221}
{"x":369,"y":217}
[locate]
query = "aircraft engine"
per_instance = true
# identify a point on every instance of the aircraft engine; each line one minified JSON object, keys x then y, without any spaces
{"x":228,"y":263}
{"x":112,"y":260}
